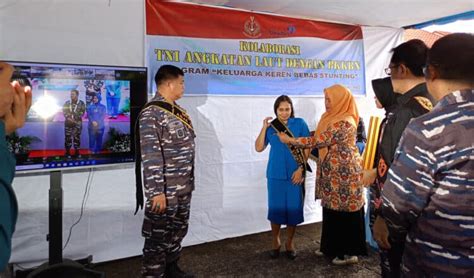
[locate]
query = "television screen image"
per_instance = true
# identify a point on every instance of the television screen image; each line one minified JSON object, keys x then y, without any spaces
{"x":82,"y":115}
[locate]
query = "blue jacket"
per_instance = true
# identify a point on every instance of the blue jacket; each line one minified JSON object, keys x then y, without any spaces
{"x":8,"y":203}
{"x":96,"y":112}
{"x":281,"y":163}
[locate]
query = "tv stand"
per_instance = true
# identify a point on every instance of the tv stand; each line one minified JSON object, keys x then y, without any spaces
{"x":57,"y":266}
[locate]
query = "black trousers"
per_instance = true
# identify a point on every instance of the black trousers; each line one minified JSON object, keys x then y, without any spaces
{"x":391,"y":259}
{"x":343,"y":233}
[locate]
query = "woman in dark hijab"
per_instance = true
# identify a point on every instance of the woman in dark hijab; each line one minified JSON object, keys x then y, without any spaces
{"x":385,"y":98}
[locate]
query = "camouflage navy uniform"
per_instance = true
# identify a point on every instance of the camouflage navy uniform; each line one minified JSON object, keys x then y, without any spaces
{"x":428,"y":198}
{"x":73,"y":113}
{"x":167,"y":148}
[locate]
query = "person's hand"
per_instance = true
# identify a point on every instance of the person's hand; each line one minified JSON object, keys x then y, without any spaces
{"x":266,"y":122}
{"x":284,"y":138}
{"x":28,"y":97}
{"x":369,"y":176}
{"x":381,"y":233}
{"x":16,"y":116}
{"x":158,"y":203}
{"x":95,"y":124}
{"x":6,"y":89}
{"x":297,"y":177}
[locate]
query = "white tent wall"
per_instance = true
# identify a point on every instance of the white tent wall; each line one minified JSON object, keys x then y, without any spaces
{"x":230,"y":197}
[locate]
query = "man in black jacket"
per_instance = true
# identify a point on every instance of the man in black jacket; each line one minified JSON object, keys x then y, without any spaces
{"x":406,"y":74}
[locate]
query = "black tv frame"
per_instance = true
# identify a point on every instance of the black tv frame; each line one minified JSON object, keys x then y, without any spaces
{"x":57,"y":265}
{"x":137,"y":101}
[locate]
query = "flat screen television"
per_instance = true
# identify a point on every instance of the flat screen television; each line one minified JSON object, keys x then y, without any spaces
{"x":82,"y":115}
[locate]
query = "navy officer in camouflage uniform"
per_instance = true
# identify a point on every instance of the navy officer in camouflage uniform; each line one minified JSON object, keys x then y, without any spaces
{"x":413,"y":100}
{"x":73,"y":111}
{"x":167,"y":151}
{"x":428,"y":198}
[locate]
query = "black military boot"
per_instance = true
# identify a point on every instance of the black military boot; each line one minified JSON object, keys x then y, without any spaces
{"x":173,"y":271}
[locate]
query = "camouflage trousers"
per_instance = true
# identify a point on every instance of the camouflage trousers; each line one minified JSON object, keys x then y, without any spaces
{"x":163,"y":235}
{"x":72,"y":136}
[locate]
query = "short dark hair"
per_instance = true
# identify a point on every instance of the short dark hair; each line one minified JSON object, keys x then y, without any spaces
{"x":167,"y":72}
{"x":281,"y":99}
{"x":75,"y":91}
{"x":453,"y":57}
{"x":412,"y":54}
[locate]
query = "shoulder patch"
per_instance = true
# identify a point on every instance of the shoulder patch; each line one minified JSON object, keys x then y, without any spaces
{"x":424,"y":102}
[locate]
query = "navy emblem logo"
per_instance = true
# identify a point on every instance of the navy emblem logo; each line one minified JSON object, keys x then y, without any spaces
{"x":252,"y":28}
{"x":425,"y":103}
{"x":180,"y":132}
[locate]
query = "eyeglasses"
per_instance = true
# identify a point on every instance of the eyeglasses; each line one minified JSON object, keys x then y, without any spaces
{"x":388,"y":70}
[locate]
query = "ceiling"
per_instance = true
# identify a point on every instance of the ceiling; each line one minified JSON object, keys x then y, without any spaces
{"x":389,"y":13}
